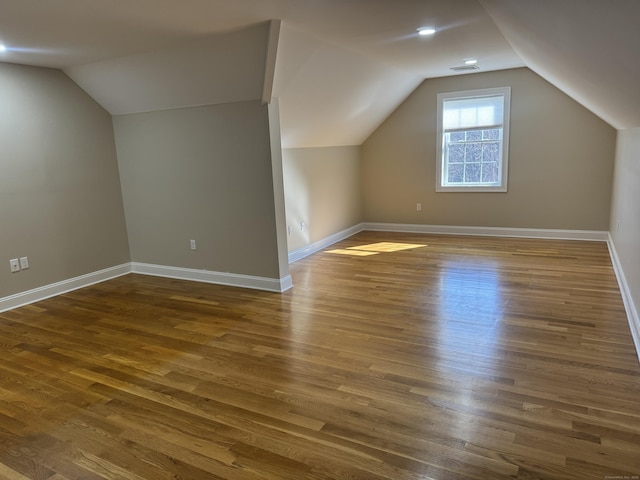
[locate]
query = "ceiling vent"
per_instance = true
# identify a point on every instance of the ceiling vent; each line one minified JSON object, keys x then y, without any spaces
{"x":464,"y":68}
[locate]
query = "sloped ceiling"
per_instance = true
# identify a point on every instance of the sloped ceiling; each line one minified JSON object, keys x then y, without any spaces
{"x":343,"y":66}
{"x":587,"y":48}
{"x":331,"y":96}
{"x":221,"y":68}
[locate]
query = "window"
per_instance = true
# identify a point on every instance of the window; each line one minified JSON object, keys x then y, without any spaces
{"x":473,"y":140}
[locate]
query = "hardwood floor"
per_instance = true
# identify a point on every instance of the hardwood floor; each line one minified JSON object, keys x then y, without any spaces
{"x":463,"y":358}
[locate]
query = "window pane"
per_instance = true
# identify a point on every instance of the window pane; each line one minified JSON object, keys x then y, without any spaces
{"x":493,"y":134}
{"x":458,"y":136}
{"x":456,"y":153}
{"x":456,"y":173}
{"x":474,"y":152}
{"x":491,"y":152}
{"x":474,"y":135}
{"x":472,"y":172}
{"x":490,"y":172}
{"x":472,"y":156}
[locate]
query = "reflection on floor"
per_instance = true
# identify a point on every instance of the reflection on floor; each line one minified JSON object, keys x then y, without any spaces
{"x":457,"y":358}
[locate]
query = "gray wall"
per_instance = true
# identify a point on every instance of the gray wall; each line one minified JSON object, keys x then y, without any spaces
{"x":560,"y":162}
{"x":60,"y":198}
{"x":322,"y":188}
{"x":625,"y":209}
{"x":201,"y":173}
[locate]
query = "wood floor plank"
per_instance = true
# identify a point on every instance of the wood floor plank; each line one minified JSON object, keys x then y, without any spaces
{"x":466,"y":358}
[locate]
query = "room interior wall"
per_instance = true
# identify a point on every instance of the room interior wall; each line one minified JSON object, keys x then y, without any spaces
{"x":201,"y":173}
{"x":60,"y":196}
{"x":278,"y":185}
{"x":560,"y":161}
{"x":625,"y":211}
{"x":205,"y":173}
{"x":322,"y":189}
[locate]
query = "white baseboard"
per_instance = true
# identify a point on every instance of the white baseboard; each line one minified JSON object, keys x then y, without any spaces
{"x":220,"y":278}
{"x":592,"y":235}
{"x":58,"y":288}
{"x":625,"y":291}
{"x":65,"y":286}
{"x":324,"y":243}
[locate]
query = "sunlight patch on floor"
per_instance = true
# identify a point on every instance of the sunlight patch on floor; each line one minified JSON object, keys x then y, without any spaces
{"x":387,"y":247}
{"x":375,"y":248}
{"x":357,"y":253}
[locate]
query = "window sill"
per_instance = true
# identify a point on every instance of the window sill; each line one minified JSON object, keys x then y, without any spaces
{"x":471,"y":189}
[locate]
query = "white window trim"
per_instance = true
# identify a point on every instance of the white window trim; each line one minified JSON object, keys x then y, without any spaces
{"x":485,"y":92}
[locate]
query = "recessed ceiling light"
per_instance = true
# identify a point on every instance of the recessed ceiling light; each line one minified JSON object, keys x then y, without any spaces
{"x":3,"y":47}
{"x":470,"y":61}
{"x":426,"y":30}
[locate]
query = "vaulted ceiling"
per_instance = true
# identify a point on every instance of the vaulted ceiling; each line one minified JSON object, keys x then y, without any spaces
{"x":343,"y":65}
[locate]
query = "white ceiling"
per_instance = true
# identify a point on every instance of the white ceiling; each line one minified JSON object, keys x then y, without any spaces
{"x":590,"y":49}
{"x":344,"y":65}
{"x":331,"y":96}
{"x":220,"y":68}
{"x":65,"y":33}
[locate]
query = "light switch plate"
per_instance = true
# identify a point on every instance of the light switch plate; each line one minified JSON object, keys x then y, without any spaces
{"x":15,"y":265}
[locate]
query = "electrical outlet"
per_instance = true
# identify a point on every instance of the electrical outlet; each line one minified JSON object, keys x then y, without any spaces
{"x":302,"y":225}
{"x":618,"y":226}
{"x":418,"y":207}
{"x":290,"y":229}
{"x":192,"y":244}
{"x":24,"y":263}
{"x":15,"y":265}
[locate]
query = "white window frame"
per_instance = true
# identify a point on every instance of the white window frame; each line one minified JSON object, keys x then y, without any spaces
{"x":441,"y":185}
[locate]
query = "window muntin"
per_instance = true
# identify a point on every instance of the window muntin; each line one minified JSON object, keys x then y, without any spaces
{"x":473,"y":132}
